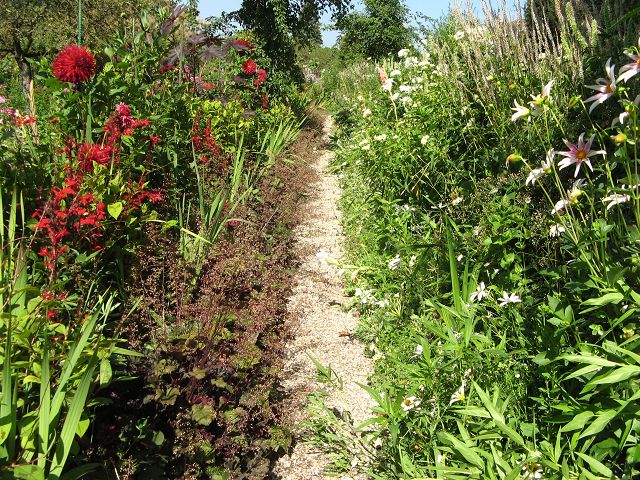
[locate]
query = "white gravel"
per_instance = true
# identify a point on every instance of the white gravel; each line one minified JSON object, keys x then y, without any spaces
{"x":317,"y":320}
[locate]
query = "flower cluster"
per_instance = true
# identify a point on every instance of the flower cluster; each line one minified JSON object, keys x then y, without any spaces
{"x":204,"y":142}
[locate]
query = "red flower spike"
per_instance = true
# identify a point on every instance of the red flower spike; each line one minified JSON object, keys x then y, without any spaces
{"x":261,"y":77}
{"x":74,"y":64}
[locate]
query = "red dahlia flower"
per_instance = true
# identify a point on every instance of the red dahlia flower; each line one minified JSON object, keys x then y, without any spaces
{"x":74,"y":64}
{"x":249,"y":67}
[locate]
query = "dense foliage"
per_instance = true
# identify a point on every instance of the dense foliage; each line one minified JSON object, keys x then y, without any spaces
{"x":491,"y":197}
{"x":377,"y":32}
{"x":144,"y":224}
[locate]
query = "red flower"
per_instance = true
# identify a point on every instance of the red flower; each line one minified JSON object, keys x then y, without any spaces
{"x":249,"y":67}
{"x":74,"y":64}
{"x":261,"y":77}
{"x":89,"y":153}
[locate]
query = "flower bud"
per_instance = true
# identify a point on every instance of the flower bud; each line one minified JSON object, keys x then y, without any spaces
{"x":620,"y":138}
{"x":513,"y":158}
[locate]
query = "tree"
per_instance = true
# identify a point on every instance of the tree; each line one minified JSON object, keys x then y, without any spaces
{"x":380,"y":30}
{"x":281,"y":26}
{"x":30,"y":29}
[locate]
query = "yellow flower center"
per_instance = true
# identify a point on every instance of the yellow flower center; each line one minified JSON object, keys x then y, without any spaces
{"x":581,"y":155}
{"x":407,"y":402}
{"x":608,"y":89}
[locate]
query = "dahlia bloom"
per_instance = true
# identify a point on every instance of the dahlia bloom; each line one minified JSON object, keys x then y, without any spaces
{"x":538,"y":102}
{"x":520,"y":112}
{"x":74,"y":64}
{"x":249,"y":67}
{"x":615,"y":199}
{"x":579,"y":154}
{"x":631,"y":69}
{"x":606,"y":87}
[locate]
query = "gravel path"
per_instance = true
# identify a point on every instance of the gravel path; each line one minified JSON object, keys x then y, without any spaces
{"x":318,"y":321}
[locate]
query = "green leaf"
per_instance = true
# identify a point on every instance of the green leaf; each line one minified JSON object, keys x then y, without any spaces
{"x":467,"y":452}
{"x":613,"y":297}
{"x":589,"y":359}
{"x":596,"y":465}
{"x":115,"y":209}
{"x":614,"y":376}
{"x":105,"y":372}
{"x":601,"y":421}
{"x":577,"y":422}
{"x":28,"y":472}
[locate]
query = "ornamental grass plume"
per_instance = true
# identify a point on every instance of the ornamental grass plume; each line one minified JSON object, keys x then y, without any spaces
{"x":74,"y":64}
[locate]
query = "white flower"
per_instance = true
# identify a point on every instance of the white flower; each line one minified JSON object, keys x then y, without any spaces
{"x":459,"y":35}
{"x":615,"y":199}
{"x":410,"y":403}
{"x":378,"y":443}
{"x":380,"y":138}
{"x":405,"y":88}
{"x":412,"y":260}
{"x":457,"y":200}
{"x":460,"y":257}
{"x":479,"y":294}
{"x":425,"y":139}
{"x":395,"y":73}
{"x":387,"y":84}
{"x":403,"y":53}
{"x":323,"y":257}
{"x":366,"y":112}
{"x":395,"y":262}
{"x":395,"y":96}
{"x":560,"y":206}
{"x":458,"y":396}
{"x":382,"y":303}
{"x":418,"y":351}
{"x":508,"y":298}
{"x":534,"y":175}
{"x":556,"y":230}
{"x":532,"y":470}
{"x":366,"y":146}
{"x":520,"y":112}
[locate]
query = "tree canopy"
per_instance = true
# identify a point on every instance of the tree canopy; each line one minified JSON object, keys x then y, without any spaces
{"x":376,"y":32}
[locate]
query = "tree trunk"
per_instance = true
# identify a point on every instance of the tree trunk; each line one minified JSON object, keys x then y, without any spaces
{"x":26,"y":73}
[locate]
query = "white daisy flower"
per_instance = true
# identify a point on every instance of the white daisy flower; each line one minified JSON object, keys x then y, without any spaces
{"x":508,"y":298}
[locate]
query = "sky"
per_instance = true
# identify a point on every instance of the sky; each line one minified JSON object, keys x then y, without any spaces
{"x":430,"y":8}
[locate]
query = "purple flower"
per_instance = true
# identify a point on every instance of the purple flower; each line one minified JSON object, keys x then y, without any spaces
{"x":579,"y":154}
{"x":2,"y":99}
{"x":606,"y":87}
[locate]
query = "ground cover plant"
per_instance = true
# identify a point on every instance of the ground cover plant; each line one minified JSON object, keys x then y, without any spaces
{"x":490,"y":180}
{"x":145,"y":207}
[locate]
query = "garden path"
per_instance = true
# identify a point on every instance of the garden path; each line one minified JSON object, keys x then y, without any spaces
{"x":319,"y":322}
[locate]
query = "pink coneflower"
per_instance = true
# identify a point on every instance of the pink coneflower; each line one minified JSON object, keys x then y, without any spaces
{"x":74,"y":64}
{"x":579,"y":154}
{"x":606,"y":87}
{"x":629,"y":70}
{"x":249,"y":67}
